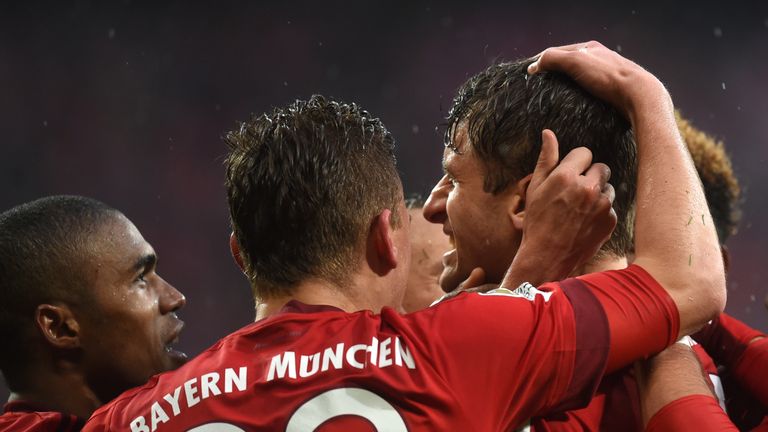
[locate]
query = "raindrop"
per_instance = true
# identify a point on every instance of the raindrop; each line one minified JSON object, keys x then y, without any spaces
{"x":415,"y":129}
{"x":285,"y":83}
{"x":738,"y":107}
{"x":618,"y":48}
{"x":752,"y":298}
{"x":320,"y":44}
{"x":723,"y":84}
{"x":111,"y":33}
{"x":634,"y":12}
{"x":45,"y":123}
{"x":718,"y":32}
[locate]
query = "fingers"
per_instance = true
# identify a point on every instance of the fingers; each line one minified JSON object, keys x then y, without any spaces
{"x":609,"y":192}
{"x":475,"y":278}
{"x":560,"y":58}
{"x":548,"y":158}
{"x":577,"y":160}
{"x":598,"y":174}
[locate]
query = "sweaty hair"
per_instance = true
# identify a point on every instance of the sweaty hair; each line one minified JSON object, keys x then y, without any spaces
{"x":721,"y":187}
{"x":43,"y":259}
{"x":505,"y":111}
{"x":304,"y":183}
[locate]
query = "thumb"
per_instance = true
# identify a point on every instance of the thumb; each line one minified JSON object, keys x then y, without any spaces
{"x":475,"y":278}
{"x":548,"y":158}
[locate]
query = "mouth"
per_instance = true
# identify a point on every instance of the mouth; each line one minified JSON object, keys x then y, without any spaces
{"x":178,"y":357}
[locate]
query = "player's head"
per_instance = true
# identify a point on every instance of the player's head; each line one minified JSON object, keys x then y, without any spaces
{"x":492,"y":143}
{"x":428,"y":244}
{"x":721,"y":187}
{"x":80,"y":294}
{"x":307,"y":185}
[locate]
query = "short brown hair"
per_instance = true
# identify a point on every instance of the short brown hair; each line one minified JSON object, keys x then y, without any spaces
{"x":721,"y":187}
{"x":505,"y":111}
{"x":304,"y":183}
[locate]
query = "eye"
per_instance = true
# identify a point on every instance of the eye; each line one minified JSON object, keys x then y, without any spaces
{"x":142,"y":278}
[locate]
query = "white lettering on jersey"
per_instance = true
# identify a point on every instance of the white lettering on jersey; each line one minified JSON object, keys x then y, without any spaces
{"x":525,"y":290}
{"x":358,"y":356}
{"x":234,"y":380}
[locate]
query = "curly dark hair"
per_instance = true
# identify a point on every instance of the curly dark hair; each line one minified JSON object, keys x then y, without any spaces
{"x":721,"y":187}
{"x":304,"y":183}
{"x":505,"y":110}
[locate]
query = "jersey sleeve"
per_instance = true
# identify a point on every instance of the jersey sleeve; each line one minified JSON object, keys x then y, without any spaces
{"x":642,"y":317}
{"x":519,"y":349}
{"x":726,"y":338}
{"x":695,"y":413}
{"x":751,"y":371}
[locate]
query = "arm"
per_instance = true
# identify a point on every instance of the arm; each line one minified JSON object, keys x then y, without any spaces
{"x":675,"y":395}
{"x":675,"y":239}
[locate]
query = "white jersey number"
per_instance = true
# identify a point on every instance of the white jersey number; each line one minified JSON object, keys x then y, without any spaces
{"x":328,"y":405}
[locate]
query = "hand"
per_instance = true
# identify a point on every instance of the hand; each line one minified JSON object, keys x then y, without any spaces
{"x":604,"y":73}
{"x":569,"y":215}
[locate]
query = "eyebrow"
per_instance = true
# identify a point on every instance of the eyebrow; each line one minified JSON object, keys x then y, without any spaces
{"x":145,"y":261}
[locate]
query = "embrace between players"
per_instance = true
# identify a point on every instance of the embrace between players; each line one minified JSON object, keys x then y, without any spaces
{"x":322,"y":233}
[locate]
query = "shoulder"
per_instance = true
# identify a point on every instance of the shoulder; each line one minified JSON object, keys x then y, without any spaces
{"x":39,"y":421}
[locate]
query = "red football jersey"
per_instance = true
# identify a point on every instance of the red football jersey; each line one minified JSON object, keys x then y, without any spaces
{"x":474,"y":362}
{"x":691,"y":413}
{"x":616,"y":404}
{"x":19,"y":416}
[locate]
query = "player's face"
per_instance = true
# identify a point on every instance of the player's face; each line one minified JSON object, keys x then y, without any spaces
{"x":428,"y":244}
{"x":476,"y":222}
{"x":130,"y":326}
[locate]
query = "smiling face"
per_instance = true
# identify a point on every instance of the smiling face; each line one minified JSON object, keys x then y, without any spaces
{"x":477,"y":222}
{"x":129,"y":325}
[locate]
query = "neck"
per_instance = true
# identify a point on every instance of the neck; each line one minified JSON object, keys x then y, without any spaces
{"x":65,"y":392}
{"x":365,"y":292}
{"x":602,"y":263}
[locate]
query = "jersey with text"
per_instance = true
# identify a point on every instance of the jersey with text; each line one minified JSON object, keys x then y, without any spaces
{"x":474,"y":362}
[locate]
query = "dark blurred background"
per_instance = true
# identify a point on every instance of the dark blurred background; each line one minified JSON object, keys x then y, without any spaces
{"x":127,"y":101}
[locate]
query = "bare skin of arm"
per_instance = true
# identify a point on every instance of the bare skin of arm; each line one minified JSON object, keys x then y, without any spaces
{"x":670,"y":375}
{"x":675,"y":239}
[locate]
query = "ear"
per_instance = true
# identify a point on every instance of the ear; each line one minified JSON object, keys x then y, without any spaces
{"x":382,"y":252}
{"x":58,"y":326}
{"x":516,"y":208}
{"x":235,"y":249}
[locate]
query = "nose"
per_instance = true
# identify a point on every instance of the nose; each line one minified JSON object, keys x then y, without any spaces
{"x":434,"y":207}
{"x":171,"y":299}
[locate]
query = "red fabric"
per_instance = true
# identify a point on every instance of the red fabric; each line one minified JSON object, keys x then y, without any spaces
{"x":631,"y":313}
{"x":498,"y":359}
{"x":616,"y":406}
{"x":643,"y":317}
{"x":19,"y":416}
{"x":725,"y":339}
{"x":751,"y":370}
{"x":692,"y":413}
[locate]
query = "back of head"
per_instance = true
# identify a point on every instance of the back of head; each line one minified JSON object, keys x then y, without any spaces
{"x":721,"y":187}
{"x":43,"y":259}
{"x":505,"y":111}
{"x":304,"y":183}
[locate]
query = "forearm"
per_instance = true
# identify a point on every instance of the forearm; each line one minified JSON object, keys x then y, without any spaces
{"x":668,"y":376}
{"x":675,"y":239}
